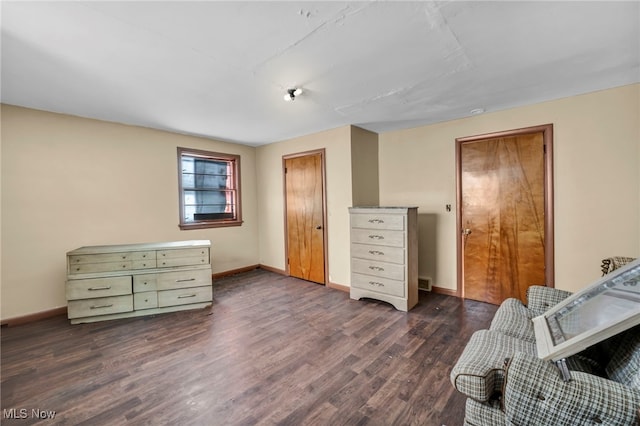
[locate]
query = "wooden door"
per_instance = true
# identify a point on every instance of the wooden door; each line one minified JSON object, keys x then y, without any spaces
{"x":505,"y":224}
{"x":304,"y":190}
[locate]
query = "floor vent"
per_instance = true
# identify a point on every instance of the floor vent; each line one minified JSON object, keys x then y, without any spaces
{"x":424,"y":283}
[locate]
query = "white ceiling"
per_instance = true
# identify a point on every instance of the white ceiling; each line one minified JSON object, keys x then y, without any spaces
{"x":221,"y":69}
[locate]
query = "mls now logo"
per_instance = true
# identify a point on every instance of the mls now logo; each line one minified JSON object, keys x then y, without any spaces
{"x":23,"y":413}
{"x":15,"y":413}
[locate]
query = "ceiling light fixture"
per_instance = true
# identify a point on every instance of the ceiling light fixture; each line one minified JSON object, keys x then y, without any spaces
{"x":292,"y":93}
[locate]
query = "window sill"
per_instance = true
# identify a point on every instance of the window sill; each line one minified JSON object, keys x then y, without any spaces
{"x":203,"y":225}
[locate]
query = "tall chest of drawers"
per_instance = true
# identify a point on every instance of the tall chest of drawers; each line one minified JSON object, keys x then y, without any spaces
{"x":120,"y":281}
{"x":384,"y":255}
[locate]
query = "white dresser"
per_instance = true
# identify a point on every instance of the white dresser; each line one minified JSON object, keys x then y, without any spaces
{"x":384,"y":255}
{"x":120,"y":281}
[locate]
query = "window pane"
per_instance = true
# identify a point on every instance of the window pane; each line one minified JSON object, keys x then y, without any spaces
{"x":187,"y":172}
{"x":211,"y":174}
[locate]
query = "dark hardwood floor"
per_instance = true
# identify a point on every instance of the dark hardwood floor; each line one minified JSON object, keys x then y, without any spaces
{"x":272,"y":350}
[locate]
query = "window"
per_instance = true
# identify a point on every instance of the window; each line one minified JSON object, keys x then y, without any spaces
{"x":209,"y":185}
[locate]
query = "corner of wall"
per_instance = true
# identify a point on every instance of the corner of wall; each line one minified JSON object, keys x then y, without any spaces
{"x":364,"y":167}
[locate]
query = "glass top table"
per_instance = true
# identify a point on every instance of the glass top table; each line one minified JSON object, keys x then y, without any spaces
{"x":601,"y":310}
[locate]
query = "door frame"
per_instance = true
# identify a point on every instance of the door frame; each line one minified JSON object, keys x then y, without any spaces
{"x":322,"y":152}
{"x":547,"y":137}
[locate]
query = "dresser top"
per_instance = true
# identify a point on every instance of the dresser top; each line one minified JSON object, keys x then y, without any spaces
{"x":380,"y":209}
{"x":140,"y":247}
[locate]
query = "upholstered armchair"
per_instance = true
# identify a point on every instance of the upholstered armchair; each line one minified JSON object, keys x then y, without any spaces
{"x":506,"y":383}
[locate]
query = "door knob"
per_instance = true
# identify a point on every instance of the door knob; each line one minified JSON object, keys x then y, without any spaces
{"x":319,"y":227}
{"x":466,"y":231}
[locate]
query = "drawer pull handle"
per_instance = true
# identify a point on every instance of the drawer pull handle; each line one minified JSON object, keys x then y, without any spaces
{"x":376,"y":268}
{"x":376,"y":221}
{"x":376,"y":283}
{"x":376,"y":237}
{"x":106,"y":287}
{"x":186,"y":280}
{"x":376,"y":252}
{"x":102,"y":306}
{"x":184,"y":296}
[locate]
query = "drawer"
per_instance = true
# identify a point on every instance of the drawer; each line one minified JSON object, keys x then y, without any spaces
{"x":183,"y":279}
{"x":146,"y":300}
{"x":378,"y":237}
{"x":378,"y":221}
{"x":99,"y":306}
{"x":145,"y":282}
{"x":182,"y":261}
{"x":98,"y":287}
{"x":381,"y":253}
{"x":185,"y":296}
{"x":378,"y":269}
{"x":185,"y":252}
{"x":182,"y":257}
{"x":111,"y":257}
{"x":381,"y":285}
{"x":82,"y":267}
{"x":89,"y":268}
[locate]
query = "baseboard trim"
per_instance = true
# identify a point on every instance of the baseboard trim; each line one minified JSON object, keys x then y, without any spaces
{"x":283,"y":272}
{"x":272,"y":269}
{"x":338,"y":287}
{"x":24,"y":319}
{"x":445,"y":291}
{"x":234,"y":271}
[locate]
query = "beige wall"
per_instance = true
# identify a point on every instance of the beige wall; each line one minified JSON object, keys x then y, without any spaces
{"x":364,"y":167}
{"x":596,"y":172}
{"x":69,"y":182}
{"x":337,"y":143}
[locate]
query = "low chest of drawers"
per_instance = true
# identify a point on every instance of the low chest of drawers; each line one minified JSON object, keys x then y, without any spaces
{"x":120,"y":281}
{"x":384,"y":255}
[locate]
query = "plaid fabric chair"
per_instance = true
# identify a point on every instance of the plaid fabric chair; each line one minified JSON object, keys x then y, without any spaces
{"x":507,"y":384}
{"x":535,"y":394}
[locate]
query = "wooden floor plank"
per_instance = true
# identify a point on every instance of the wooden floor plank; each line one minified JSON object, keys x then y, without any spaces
{"x":272,"y":350}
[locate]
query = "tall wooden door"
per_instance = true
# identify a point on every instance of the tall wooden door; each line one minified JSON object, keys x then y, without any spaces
{"x":505,"y":214}
{"x":304,"y":188}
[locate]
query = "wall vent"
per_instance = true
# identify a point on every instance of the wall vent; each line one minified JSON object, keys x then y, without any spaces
{"x":424,"y":283}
